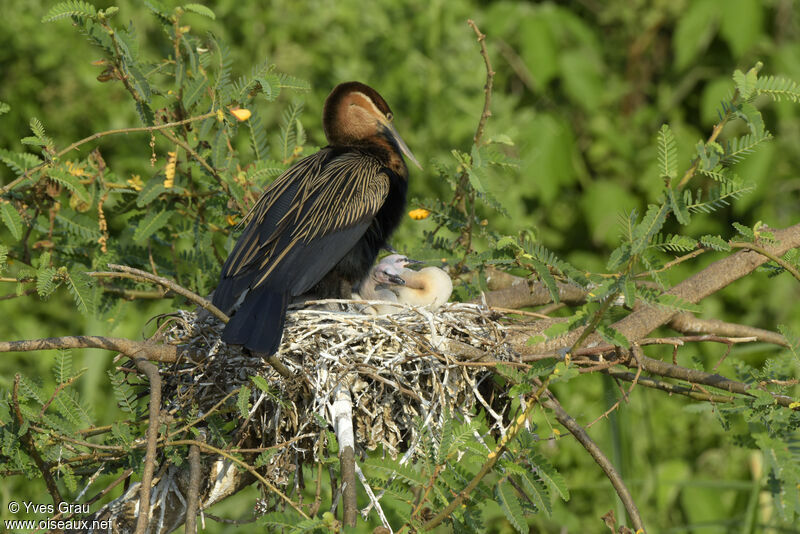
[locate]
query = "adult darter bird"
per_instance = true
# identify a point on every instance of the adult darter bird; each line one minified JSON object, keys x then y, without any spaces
{"x":320,"y":225}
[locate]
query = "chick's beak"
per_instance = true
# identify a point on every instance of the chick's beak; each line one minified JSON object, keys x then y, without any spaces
{"x":400,"y":143}
{"x":393,"y":278}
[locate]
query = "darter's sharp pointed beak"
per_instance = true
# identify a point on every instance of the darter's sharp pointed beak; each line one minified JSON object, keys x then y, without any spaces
{"x":402,"y":144}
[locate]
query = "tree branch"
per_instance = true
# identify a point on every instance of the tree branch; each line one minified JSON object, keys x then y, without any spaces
{"x":151,"y":371}
{"x":169,"y":284}
{"x":549,"y":401}
{"x":687,"y":323}
{"x":134,"y":349}
{"x":713,"y":278}
{"x":27,"y":174}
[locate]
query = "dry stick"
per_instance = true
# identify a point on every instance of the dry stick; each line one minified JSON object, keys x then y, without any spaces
{"x":98,"y":135}
{"x":246,"y":466}
{"x":151,"y":371}
{"x":169,"y":284}
{"x":30,"y":447}
{"x":193,"y":497}
{"x":134,"y":349}
{"x":549,"y":401}
{"x":125,"y":474}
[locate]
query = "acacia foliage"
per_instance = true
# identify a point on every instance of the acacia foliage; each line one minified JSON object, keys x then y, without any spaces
{"x":83,"y":213}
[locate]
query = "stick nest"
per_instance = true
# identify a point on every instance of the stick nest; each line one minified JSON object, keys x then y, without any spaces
{"x":400,"y":370}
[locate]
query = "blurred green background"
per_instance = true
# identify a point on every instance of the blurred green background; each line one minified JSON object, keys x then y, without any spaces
{"x":582,"y":87}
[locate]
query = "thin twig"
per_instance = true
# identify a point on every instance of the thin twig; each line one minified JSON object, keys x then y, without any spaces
{"x":98,"y":135}
{"x":549,"y":401}
{"x":169,"y":284}
{"x":487,"y":89}
{"x":774,"y":257}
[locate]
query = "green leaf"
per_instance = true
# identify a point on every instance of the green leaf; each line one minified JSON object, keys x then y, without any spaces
{"x":150,"y":191}
{"x":651,"y":224}
{"x":792,"y":339}
{"x":80,"y":285}
{"x":667,"y":152}
{"x":547,"y":279}
{"x":73,"y":8}
{"x":715,"y":242}
{"x":243,"y":401}
{"x":678,"y":206}
{"x":123,"y":392}
{"x":537,"y":492}
{"x":44,"y":281}
{"x":745,"y":83}
{"x":3,"y":257}
{"x":778,"y":88}
{"x":122,"y":434}
{"x":150,"y":225}
{"x":550,"y":476}
{"x":288,"y":136}
{"x":264,"y":458}
{"x":71,"y":182}
{"x":613,"y":336}
{"x":63,"y":366}
{"x":200,"y":10}
{"x":509,"y":503}
{"x":79,"y":225}
{"x":4,"y":108}
{"x":19,"y":162}
{"x":258,"y":137}
{"x":744,"y":231}
{"x":12,"y":219}
{"x":193,"y":91}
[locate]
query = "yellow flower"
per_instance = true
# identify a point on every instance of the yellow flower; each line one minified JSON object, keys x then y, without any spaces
{"x":241,"y":114}
{"x":136,"y":183}
{"x":231,"y":220}
{"x":75,"y":169}
{"x":169,"y":172}
{"x":419,"y":214}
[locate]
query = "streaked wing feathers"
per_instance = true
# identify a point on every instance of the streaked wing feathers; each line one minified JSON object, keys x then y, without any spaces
{"x":320,"y":195}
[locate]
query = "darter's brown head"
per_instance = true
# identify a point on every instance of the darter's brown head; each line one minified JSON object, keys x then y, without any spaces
{"x":355,"y":114}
